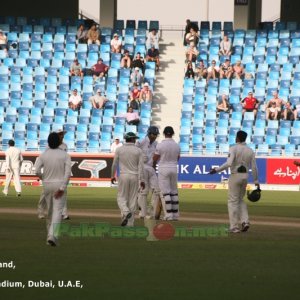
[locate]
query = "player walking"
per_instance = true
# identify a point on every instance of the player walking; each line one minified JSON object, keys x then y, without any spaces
{"x":241,"y":158}
{"x":14,"y":160}
{"x":56,"y":165}
{"x":167,"y":154}
{"x":130,"y":161}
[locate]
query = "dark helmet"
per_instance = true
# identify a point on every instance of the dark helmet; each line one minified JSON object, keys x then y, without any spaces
{"x":153,"y":130}
{"x":254,"y":196}
{"x":169,"y":130}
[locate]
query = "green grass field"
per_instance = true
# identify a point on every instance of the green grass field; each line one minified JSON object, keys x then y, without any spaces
{"x":261,"y":264}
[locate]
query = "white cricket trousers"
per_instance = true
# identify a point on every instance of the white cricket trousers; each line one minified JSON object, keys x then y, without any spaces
{"x":128,"y":188}
{"x":15,"y":172}
{"x":237,"y":208}
{"x":42,"y":205}
{"x":55,"y":208}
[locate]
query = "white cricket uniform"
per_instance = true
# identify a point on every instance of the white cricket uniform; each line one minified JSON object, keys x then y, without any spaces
{"x":130,"y":161}
{"x":14,"y":160}
{"x":42,"y":205}
{"x":56,"y":165}
{"x":151,"y":180}
{"x":169,"y":153}
{"x":239,"y":155}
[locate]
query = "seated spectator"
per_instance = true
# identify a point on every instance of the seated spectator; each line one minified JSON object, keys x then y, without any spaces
{"x":135,"y":92}
{"x":76,"y":69}
{"x":250,"y":104}
{"x":188,"y":27}
{"x":274,"y":107}
{"x":132,"y":117}
{"x":153,"y":55}
{"x":152,"y":39}
{"x":226,"y":69}
{"x":93,"y":35}
{"x":238,"y":70}
{"x":201,"y":70}
{"x":146,"y":93}
{"x":98,"y":101}
{"x":3,"y":41}
{"x":225,"y":46}
{"x":99,"y":69}
{"x":81,"y":34}
{"x":191,"y":53}
{"x":75,"y":100}
{"x":139,"y":62}
{"x":126,"y":60}
{"x":291,"y":113}
{"x":223,"y":104}
{"x":189,"y":73}
{"x":116,"y":44}
{"x":213,"y":72}
{"x":192,"y":37}
{"x":115,"y":145}
{"x":137,"y":76}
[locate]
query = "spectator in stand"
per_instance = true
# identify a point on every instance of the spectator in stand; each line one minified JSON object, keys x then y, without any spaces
{"x":75,"y":100}
{"x":115,"y":145}
{"x":99,"y":69}
{"x":226,"y":69}
{"x":188,"y":27}
{"x":93,"y":35}
{"x":290,"y":113}
{"x":250,"y":104}
{"x":238,"y":70}
{"x":135,"y":97}
{"x":191,"y":53}
{"x":153,"y":55}
{"x":137,"y":76}
{"x":152,"y":39}
{"x":223,"y":104}
{"x":189,"y":73}
{"x":225,"y":46}
{"x":146,"y":93}
{"x":201,"y":70}
{"x":3,"y":41}
{"x":98,"y":101}
{"x":213,"y":72}
{"x":132,"y":117}
{"x":126,"y":60}
{"x":81,"y":34}
{"x":116,"y":44}
{"x":274,"y":107}
{"x":139,"y":62}
{"x":192,"y":37}
{"x":76,"y":69}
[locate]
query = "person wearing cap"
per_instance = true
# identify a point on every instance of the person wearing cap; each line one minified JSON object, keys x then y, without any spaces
{"x":98,"y":101}
{"x":115,"y":145}
{"x":152,"y":39}
{"x":146,"y":93}
{"x":129,"y":158}
{"x":250,"y":104}
{"x":240,"y":160}
{"x":153,"y":55}
{"x":76,"y":68}
{"x":148,"y":146}
{"x":167,"y":154}
{"x":99,"y":69}
{"x":139,"y":62}
{"x":137,"y":76}
{"x":93,"y":35}
{"x":116,"y":44}
{"x":3,"y":41}
{"x":75,"y":100}
{"x":126,"y":60}
{"x":13,"y":159}
{"x":53,"y":167}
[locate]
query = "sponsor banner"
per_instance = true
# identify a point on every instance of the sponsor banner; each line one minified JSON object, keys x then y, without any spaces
{"x":88,"y":167}
{"x":196,"y":169}
{"x":282,"y":171}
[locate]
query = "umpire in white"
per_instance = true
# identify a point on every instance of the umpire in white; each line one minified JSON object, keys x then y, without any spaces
{"x":240,"y":159}
{"x":13,"y":158}
{"x":167,"y":154}
{"x":56,"y":165}
{"x":129,"y":158}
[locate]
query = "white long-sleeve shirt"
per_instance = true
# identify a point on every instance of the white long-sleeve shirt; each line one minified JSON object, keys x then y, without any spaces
{"x":130,"y":160}
{"x":239,"y":155}
{"x":13,"y":158}
{"x":148,"y":149}
{"x":56,"y":165}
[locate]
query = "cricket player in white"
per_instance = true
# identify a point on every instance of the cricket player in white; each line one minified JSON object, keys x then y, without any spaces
{"x":13,"y":158}
{"x":167,"y":154}
{"x":130,"y":161}
{"x":240,"y":159}
{"x":42,"y":205}
{"x":148,"y":146}
{"x":56,"y":165}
